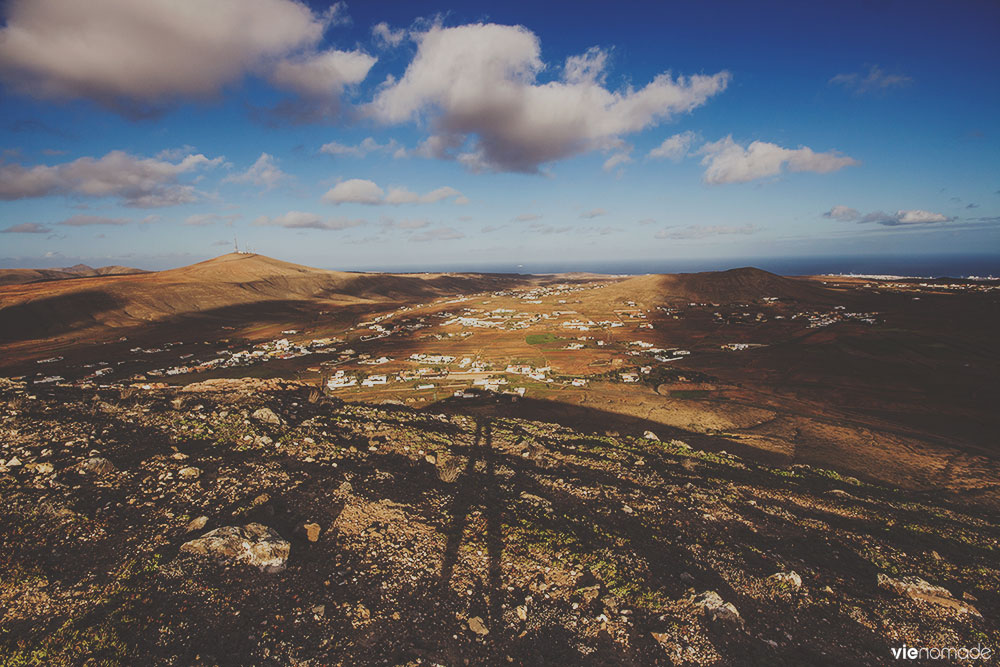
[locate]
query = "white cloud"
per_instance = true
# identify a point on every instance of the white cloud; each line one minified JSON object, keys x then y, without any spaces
{"x":386,"y":37}
{"x":322,"y":76}
{"x":368,"y":145}
{"x":911,"y":217}
{"x":918,"y":216}
{"x":704,"y":231}
{"x":593,"y":213}
{"x":138,"y":182}
{"x":726,"y":161}
{"x":361,"y":191}
{"x":674,"y":147}
{"x":616,"y":160}
{"x":90,"y":220}
{"x":129,"y":55}
{"x":26,"y":228}
{"x":843,"y":213}
{"x":304,"y":220}
{"x":875,"y":79}
{"x":438,"y":234}
{"x":527,"y":217}
{"x":477,"y":86}
{"x":900,"y":217}
{"x":404,"y":196}
{"x":354,"y":191}
{"x":264,"y":173}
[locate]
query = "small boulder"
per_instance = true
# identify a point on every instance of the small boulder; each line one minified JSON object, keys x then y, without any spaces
{"x":267,"y":416}
{"x":476,"y":625}
{"x":649,"y":435}
{"x":253,"y":544}
{"x":196,"y":524}
{"x":716,"y":610}
{"x":190,"y":472}
{"x":787,"y":579}
{"x":919,"y":589}
{"x":312,"y":531}
{"x":97,"y":465}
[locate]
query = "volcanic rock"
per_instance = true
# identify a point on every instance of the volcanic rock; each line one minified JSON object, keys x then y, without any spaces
{"x":254,"y":544}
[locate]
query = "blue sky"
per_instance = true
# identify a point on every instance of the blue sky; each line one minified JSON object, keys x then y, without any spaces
{"x":387,"y":135}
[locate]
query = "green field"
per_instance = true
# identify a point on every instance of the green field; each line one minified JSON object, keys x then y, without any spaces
{"x":541,"y":339}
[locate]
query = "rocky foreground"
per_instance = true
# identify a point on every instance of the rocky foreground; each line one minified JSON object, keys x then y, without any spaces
{"x":256,"y":522}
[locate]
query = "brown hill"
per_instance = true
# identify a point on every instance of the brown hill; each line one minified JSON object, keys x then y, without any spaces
{"x":20,"y":276}
{"x":733,"y":286}
{"x":225,"y":287}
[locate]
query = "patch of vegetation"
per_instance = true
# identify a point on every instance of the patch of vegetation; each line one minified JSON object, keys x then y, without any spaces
{"x":541,"y":339}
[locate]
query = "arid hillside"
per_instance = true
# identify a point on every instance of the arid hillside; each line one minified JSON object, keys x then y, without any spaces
{"x":231,"y":287}
{"x":19,"y":276}
{"x":237,"y":522}
{"x":733,"y":286}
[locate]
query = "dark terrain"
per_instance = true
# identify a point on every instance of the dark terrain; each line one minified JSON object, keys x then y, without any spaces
{"x":425,"y":538}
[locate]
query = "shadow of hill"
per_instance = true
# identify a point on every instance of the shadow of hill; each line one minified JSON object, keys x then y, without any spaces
{"x":590,"y":420}
{"x":55,"y":315}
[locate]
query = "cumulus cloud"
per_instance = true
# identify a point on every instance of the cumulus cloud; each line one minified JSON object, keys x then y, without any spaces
{"x":704,"y":231}
{"x":368,"y":145}
{"x":90,"y":220}
{"x":137,"y":182}
{"x":675,"y":147}
{"x":477,"y":85}
{"x":134,"y":56}
{"x":362,"y":191}
{"x":26,"y":228}
{"x":304,"y":220}
{"x":355,"y":191}
{"x":726,"y":161}
{"x":264,"y":173}
{"x":874,"y":80}
{"x":593,"y":213}
{"x":386,"y":37}
{"x":844,"y":213}
{"x":438,"y":234}
{"x":910,"y":217}
{"x":404,"y":196}
{"x":900,"y":217}
{"x":322,"y":75}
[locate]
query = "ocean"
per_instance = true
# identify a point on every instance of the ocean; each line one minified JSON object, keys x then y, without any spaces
{"x":925,"y":266}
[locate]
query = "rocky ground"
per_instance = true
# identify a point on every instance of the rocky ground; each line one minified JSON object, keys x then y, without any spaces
{"x":259,"y":522}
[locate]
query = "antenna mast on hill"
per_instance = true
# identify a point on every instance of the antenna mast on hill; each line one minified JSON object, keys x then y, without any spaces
{"x":236,"y":245}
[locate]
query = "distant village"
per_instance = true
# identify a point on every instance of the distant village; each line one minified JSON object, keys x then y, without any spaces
{"x":342,"y":367}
